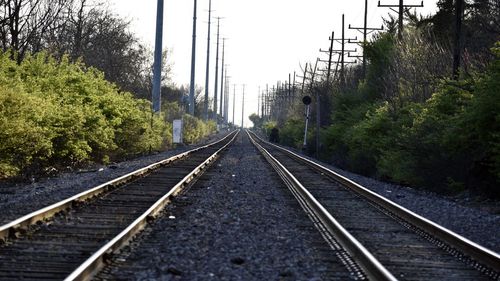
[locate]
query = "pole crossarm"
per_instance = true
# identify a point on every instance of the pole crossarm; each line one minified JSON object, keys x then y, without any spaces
{"x":402,"y":7}
{"x":354,"y":56}
{"x":340,"y":40}
{"x":325,"y":61}
{"x":325,"y":51}
{"x":396,"y":6}
{"x":368,"y":28}
{"x":345,"y":51}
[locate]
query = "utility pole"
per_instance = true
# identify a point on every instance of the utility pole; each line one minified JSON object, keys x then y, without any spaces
{"x":289,"y":88}
{"x":258,"y":102}
{"x":193,"y":63}
{"x":330,"y":54}
{"x":262,"y":104}
{"x":222,"y":80}
{"x":342,"y":54}
{"x":267,"y":100}
{"x":216,"y":73}
{"x":243,"y":107}
{"x":157,"y":58}
{"x":226,"y":97}
{"x":401,"y":9}
{"x":365,"y":30}
{"x":318,"y":116}
{"x":304,"y":79}
{"x":205,"y":108}
{"x":234,"y":102}
{"x":330,"y":58}
{"x":459,"y":12}
{"x":342,"y":51}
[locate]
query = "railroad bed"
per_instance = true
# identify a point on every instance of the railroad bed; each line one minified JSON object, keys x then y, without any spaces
{"x":237,"y":222}
{"x":55,"y":249}
{"x":406,"y":251}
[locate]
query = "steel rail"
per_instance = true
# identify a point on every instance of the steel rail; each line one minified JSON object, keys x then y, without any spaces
{"x":22,"y":223}
{"x":477,"y":252}
{"x":92,"y":265}
{"x":370,"y":265}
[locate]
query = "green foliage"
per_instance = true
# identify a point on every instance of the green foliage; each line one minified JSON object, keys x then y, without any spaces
{"x":337,"y":138}
{"x":268,"y":126}
{"x":429,"y":151}
{"x":256,"y":120}
{"x":292,"y":133}
{"x":56,"y":113}
{"x":447,"y":143}
{"x":379,"y":53}
{"x":195,"y":129}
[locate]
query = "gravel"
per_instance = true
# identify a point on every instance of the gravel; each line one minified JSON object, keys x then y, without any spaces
{"x":475,"y":220}
{"x":255,"y":242}
{"x":20,"y":199}
{"x":238,"y":222}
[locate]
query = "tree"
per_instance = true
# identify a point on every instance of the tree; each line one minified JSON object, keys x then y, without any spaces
{"x":92,"y":33}
{"x":256,"y":119}
{"x":24,"y":22}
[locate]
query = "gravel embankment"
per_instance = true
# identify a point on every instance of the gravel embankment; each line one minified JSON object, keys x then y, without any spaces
{"x":238,"y":222}
{"x":480,"y":224}
{"x":20,"y":199}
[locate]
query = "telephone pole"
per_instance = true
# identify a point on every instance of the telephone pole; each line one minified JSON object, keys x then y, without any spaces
{"x":157,"y":58}
{"x":234,"y":102}
{"x":262,"y":104}
{"x":193,"y":63}
{"x":258,"y":102}
{"x":226,"y":97}
{"x":342,"y":51}
{"x":216,"y":72}
{"x":459,"y":13}
{"x":330,"y":54}
{"x":243,"y":106}
{"x":205,"y":107}
{"x":401,"y":9}
{"x":365,"y":30}
{"x":222,"y":80}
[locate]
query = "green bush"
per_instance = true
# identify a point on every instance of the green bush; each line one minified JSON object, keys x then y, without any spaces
{"x":292,"y":133}
{"x":268,"y":126}
{"x":194,"y":129}
{"x":56,"y":113}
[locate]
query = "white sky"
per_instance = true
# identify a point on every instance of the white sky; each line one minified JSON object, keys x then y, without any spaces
{"x":267,"y":39}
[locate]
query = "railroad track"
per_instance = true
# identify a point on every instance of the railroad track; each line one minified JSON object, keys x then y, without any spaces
{"x":386,"y":240}
{"x":72,"y":239}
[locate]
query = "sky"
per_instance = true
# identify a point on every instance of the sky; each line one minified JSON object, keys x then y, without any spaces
{"x":266,"y":39}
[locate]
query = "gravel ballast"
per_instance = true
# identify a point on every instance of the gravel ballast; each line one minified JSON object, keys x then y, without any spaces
{"x":20,"y":199}
{"x":238,"y":222}
{"x":478,"y":224}
{"x":481,"y":224}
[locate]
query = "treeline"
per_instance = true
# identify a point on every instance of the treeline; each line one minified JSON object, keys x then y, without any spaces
{"x":74,"y":84}
{"x":85,"y":30}
{"x":408,"y":120}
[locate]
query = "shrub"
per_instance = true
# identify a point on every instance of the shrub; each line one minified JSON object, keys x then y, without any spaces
{"x":57,"y":113}
{"x":195,"y":129}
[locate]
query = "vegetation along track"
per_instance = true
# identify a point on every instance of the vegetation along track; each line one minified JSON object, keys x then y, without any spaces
{"x":86,"y":228}
{"x":408,"y":246}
